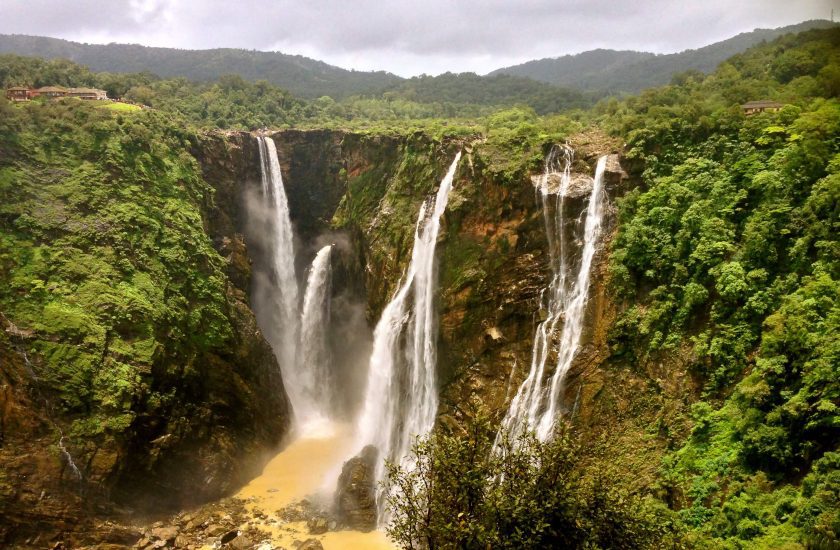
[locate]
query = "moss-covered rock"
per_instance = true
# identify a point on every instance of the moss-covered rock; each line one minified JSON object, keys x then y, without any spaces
{"x":143,"y":350}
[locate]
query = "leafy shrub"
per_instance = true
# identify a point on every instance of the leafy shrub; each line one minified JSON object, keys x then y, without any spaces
{"x":523,"y":494}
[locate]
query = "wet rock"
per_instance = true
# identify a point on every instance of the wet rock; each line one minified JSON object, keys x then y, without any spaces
{"x":229,"y":536}
{"x":194,"y":524}
{"x":215,"y":530}
{"x":242,"y":543}
{"x":309,"y":544}
{"x":494,"y":334}
{"x":117,"y":534}
{"x":355,"y":494}
{"x":317,"y":526}
{"x":165,"y":534}
{"x":614,"y":174}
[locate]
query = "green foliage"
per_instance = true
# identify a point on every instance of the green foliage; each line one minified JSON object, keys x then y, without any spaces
{"x":730,"y":248}
{"x":231,"y":101}
{"x":610,"y":72}
{"x":457,"y":90}
{"x":525,"y":494}
{"x":103,"y":250}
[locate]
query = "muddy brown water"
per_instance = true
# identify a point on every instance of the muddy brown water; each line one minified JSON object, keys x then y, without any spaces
{"x":307,"y":468}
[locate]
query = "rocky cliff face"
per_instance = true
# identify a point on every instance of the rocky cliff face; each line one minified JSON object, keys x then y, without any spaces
{"x":108,"y":406}
{"x":363,"y":193}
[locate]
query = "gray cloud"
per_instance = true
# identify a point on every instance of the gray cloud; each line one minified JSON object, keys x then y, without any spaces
{"x":408,"y":37}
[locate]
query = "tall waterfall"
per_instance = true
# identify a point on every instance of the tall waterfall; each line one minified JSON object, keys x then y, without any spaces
{"x":315,"y":384}
{"x":282,"y":252}
{"x":401,"y":396}
{"x":300,"y":340}
{"x":535,"y":405}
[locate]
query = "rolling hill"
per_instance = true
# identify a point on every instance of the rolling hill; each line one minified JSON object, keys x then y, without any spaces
{"x":300,"y":75}
{"x":610,"y":72}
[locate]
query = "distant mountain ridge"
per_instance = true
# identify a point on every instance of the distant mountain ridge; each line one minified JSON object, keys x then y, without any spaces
{"x":300,"y":75}
{"x":611,"y":71}
{"x":545,"y":84}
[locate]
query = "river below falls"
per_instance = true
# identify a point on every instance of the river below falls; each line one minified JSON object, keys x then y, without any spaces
{"x":306,"y":468}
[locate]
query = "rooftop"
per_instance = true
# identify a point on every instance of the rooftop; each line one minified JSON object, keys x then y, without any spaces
{"x":762,"y":103}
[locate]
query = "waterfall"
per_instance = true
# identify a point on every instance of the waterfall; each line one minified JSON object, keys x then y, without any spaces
{"x":282,"y":253}
{"x":401,"y":396}
{"x":535,"y":406}
{"x":314,"y":382}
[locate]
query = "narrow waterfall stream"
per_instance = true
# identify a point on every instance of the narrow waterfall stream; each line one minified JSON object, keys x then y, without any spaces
{"x":296,"y":331}
{"x":536,"y":404}
{"x":313,"y":358}
{"x":401,"y":397}
{"x":284,"y":291}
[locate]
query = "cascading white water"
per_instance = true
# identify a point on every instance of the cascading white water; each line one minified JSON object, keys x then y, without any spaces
{"x":535,"y":406}
{"x":401,"y":396}
{"x":314,"y":381}
{"x":282,"y":253}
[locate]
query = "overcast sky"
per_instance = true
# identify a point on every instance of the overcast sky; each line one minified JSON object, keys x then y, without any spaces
{"x":409,"y":37}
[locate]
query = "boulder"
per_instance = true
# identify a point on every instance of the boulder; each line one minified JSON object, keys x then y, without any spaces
{"x":317,"y":526}
{"x":242,"y":543}
{"x":165,"y":534}
{"x":229,"y":536}
{"x":355,"y":494}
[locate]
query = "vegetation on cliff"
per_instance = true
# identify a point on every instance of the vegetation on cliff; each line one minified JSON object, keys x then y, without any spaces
{"x":123,"y":304}
{"x":731,"y":248}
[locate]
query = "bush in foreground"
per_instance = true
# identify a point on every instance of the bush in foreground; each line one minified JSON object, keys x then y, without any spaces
{"x":463,"y":493}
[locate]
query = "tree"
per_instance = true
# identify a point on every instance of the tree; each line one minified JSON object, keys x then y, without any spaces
{"x":466,"y":493}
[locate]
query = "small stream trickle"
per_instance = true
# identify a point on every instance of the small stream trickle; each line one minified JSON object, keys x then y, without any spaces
{"x":537,"y":402}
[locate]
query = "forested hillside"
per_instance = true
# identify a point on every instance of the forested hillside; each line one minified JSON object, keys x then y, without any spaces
{"x":233,"y":102}
{"x":300,"y":75}
{"x":608,"y":72}
{"x":729,"y":252}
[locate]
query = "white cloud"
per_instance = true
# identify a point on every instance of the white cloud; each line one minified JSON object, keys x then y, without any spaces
{"x":406,"y":36}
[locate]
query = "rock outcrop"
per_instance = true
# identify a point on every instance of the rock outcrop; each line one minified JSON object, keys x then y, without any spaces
{"x":355,"y":495}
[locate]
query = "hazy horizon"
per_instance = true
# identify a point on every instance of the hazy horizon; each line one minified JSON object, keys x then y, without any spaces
{"x":407,"y":38}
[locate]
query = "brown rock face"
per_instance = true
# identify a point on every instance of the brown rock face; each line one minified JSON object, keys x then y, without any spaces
{"x":355,"y":498}
{"x":226,"y":407}
{"x":310,"y":544}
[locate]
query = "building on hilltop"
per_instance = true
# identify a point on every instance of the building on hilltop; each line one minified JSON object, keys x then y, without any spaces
{"x":18,"y":93}
{"x":87,"y":93}
{"x":50,"y":91}
{"x":23,"y":93}
{"x":753,"y":107}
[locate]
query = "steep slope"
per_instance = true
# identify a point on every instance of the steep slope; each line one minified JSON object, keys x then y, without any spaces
{"x":610,"y":71}
{"x":300,"y":75}
{"x":133,"y":369}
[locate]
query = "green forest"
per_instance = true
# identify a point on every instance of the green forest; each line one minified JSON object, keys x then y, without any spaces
{"x":724,"y":261}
